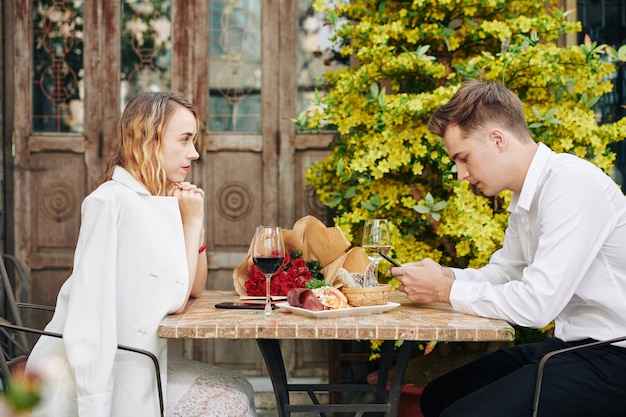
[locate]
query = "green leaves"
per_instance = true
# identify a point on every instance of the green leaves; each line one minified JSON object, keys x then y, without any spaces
{"x":430,"y":207}
{"x":332,"y":16}
{"x":372,"y":204}
{"x":421,"y":53}
{"x":314,"y":283}
{"x":617,"y":55}
{"x":589,"y":102}
{"x":547,"y":118}
{"x":591,"y":48}
{"x":621,"y":53}
{"x":300,"y":121}
{"x":316,"y":272}
{"x":541,"y":127}
{"x":376,"y":95}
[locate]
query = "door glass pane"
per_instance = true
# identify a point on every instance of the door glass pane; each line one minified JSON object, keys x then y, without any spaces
{"x":146,"y":47}
{"x":58,"y":66}
{"x":235,"y":66}
{"x":316,"y":54}
{"x":605,"y":22}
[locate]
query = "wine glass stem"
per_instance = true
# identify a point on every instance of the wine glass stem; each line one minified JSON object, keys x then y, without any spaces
{"x":376,"y":262}
{"x":268,"y":296}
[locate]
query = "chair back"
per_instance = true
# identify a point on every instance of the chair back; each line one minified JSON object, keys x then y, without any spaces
{"x":544,"y":359}
{"x":12,"y":306}
{"x":14,"y":346}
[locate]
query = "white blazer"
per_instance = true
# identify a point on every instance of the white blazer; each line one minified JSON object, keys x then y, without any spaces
{"x":130,"y":271}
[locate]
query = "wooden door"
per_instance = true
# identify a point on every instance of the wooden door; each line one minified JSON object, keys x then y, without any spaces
{"x":68,"y":87}
{"x":248,"y":65}
{"x":253,"y":158}
{"x":63,"y":111}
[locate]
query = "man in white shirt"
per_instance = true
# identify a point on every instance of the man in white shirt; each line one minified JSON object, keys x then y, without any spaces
{"x":563,"y":259}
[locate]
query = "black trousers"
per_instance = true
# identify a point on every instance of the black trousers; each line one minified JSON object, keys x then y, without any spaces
{"x":587,"y":383}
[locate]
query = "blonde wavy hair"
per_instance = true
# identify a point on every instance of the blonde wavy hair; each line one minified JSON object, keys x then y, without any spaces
{"x":139,"y":138}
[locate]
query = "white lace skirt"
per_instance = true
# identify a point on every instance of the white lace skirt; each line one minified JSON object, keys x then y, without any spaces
{"x":197,"y":389}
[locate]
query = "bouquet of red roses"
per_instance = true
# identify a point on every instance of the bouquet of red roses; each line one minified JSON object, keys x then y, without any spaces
{"x":295,"y":273}
{"x":314,"y":249}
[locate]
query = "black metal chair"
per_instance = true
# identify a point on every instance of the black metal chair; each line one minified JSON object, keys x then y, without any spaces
{"x":15,"y":347}
{"x":547,"y":356}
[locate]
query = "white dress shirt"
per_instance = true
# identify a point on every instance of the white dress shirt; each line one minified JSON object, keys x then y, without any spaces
{"x":563,"y":257}
{"x":130,"y":271}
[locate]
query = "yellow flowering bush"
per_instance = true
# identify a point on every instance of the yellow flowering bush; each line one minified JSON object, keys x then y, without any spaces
{"x":409,"y":58}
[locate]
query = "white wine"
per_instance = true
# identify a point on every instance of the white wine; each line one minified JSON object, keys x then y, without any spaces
{"x":372,"y":251}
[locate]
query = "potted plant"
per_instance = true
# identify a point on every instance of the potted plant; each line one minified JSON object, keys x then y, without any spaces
{"x":408,"y":60}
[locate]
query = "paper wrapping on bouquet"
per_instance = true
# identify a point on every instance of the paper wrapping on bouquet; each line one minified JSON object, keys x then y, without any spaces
{"x":328,"y":245}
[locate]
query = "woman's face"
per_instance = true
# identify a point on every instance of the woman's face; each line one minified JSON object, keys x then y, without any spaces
{"x":178,"y":149}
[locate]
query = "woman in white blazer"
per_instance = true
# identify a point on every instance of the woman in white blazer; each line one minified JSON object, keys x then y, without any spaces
{"x":140,"y":255}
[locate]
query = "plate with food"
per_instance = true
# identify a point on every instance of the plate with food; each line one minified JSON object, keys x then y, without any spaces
{"x":348,"y":311}
{"x":327,"y":302}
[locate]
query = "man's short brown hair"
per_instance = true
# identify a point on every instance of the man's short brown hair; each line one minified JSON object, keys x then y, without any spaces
{"x":478,"y":103}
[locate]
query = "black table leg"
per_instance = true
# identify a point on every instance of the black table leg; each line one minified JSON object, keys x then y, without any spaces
{"x":402,"y":361}
{"x":386,"y":402}
{"x":270,"y":349}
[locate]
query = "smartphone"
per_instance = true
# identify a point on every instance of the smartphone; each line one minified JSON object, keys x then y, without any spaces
{"x":242,"y":305}
{"x":384,"y":255}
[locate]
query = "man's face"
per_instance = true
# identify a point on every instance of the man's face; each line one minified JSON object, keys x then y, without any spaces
{"x":477,"y":158}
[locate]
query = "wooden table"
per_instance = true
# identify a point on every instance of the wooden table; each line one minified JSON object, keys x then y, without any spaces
{"x":409,"y":322}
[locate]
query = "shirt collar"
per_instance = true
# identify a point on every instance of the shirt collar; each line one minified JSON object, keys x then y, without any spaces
{"x":124,"y":177}
{"x":524,"y":199}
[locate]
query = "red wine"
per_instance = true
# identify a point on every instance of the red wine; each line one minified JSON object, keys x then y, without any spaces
{"x":268,"y":264}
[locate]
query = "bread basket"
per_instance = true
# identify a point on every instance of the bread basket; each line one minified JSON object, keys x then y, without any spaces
{"x":368,"y":296}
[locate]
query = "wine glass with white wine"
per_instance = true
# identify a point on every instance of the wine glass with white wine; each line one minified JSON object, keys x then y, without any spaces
{"x":376,"y":239}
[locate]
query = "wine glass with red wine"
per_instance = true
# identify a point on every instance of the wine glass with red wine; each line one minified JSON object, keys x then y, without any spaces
{"x":268,"y":255}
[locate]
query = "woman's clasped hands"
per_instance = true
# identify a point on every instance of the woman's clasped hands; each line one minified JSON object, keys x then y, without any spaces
{"x":190,"y":200}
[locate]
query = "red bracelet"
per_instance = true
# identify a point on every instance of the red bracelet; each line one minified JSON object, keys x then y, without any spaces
{"x":202,"y":248}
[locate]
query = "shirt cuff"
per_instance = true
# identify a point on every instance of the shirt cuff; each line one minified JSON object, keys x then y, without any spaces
{"x":97,"y":405}
{"x":460,"y":274}
{"x":459,"y":299}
